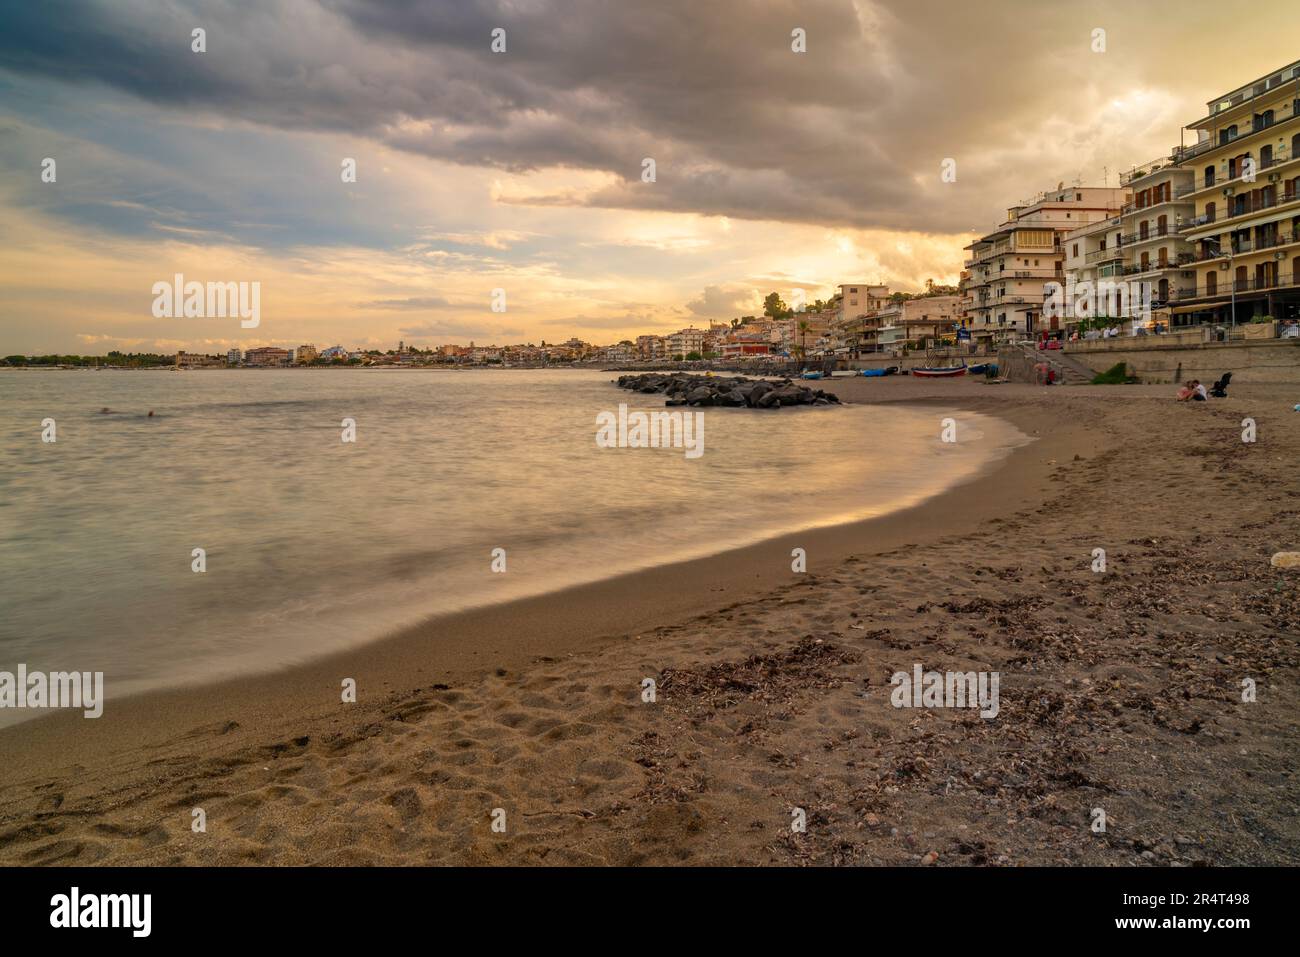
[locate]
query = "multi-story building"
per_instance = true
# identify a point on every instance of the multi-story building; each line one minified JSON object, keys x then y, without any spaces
{"x":910,"y":321}
{"x":305,"y":354}
{"x":858,"y":299}
{"x":650,"y":347}
{"x":807,"y":332}
{"x":334,"y":352}
{"x":1009,"y":268}
{"x":1245,"y":234}
{"x":1155,"y":251}
{"x":192,"y":360}
{"x":686,"y":341}
{"x":1092,"y":253}
{"x":855,"y":300}
{"x":267,"y":356}
{"x":234,"y":357}
{"x":745,"y":341}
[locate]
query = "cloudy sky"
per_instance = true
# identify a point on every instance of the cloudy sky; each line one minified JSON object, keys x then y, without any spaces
{"x":522,"y":170}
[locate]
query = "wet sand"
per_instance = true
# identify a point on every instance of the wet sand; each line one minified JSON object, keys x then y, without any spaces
{"x":1119,"y":691}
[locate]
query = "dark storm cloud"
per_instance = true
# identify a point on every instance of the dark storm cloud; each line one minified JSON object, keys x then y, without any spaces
{"x":850,"y":133}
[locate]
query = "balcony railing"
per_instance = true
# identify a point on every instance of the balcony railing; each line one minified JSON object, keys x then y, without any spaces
{"x":1268,"y":90}
{"x":1146,"y":169}
{"x":1285,"y":112}
{"x":1157,"y":266}
{"x":1244,"y":247}
{"x":1247,"y":208}
{"x":1141,"y":237}
{"x":1104,"y":255}
{"x":1224,"y":175}
{"x":1229,"y":286}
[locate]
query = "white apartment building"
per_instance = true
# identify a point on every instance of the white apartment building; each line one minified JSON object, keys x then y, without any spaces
{"x":1092,"y":253}
{"x":1002,"y":296}
{"x":686,"y":341}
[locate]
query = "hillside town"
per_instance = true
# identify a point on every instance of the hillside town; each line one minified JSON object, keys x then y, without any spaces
{"x":1205,"y":236}
{"x":1201,"y":243}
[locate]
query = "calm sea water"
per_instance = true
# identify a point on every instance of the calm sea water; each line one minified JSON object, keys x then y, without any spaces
{"x":314,"y":545}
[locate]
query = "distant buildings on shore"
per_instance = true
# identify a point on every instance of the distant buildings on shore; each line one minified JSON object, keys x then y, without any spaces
{"x":1211,"y":231}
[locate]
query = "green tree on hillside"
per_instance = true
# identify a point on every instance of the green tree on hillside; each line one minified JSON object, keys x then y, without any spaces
{"x":774,"y":306}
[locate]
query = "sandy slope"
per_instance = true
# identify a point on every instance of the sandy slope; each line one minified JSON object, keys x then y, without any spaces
{"x":1119,"y":691}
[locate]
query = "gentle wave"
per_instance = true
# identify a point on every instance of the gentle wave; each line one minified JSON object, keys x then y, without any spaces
{"x":314,"y":545}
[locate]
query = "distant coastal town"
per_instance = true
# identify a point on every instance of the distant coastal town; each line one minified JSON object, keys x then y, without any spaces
{"x":1202,"y":243}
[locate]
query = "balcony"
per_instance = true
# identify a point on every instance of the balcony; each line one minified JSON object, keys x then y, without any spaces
{"x":1284,"y":113}
{"x":1138,"y":269}
{"x":1244,"y":247}
{"x":1140,"y":237}
{"x":1286,"y":75}
{"x":1247,"y":208}
{"x":1225,"y":176}
{"x":1104,"y":255}
{"x":1228,"y":287}
{"x":1146,"y":169}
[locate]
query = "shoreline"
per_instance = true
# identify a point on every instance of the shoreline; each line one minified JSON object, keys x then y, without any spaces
{"x":511,"y":635}
{"x":1119,"y":690}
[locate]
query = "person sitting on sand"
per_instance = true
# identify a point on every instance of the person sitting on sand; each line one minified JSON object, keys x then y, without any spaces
{"x":1186,"y":392}
{"x":1198,"y":392}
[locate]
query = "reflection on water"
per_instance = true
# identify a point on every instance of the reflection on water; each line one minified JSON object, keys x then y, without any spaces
{"x":313,"y":544}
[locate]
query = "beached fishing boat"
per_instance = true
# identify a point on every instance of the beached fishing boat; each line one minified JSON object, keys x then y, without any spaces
{"x":890,"y":370}
{"x":979,"y":369}
{"x":945,"y":373}
{"x":812,"y":375}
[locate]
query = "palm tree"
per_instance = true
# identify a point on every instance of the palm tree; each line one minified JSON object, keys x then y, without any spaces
{"x":803,"y":336}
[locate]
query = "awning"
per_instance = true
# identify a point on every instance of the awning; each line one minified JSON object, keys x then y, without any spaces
{"x":1207,"y":307}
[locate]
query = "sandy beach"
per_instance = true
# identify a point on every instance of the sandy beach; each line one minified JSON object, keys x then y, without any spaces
{"x":1120,"y":691}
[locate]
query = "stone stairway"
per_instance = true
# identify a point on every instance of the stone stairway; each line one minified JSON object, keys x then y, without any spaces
{"x":1019,"y":365}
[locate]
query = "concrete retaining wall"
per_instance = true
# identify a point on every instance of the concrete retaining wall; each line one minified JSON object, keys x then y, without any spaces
{"x":1158,"y":360}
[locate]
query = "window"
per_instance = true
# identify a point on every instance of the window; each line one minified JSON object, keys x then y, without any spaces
{"x":1209,"y":176}
{"x":1076,"y":251}
{"x":1211,"y":283}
